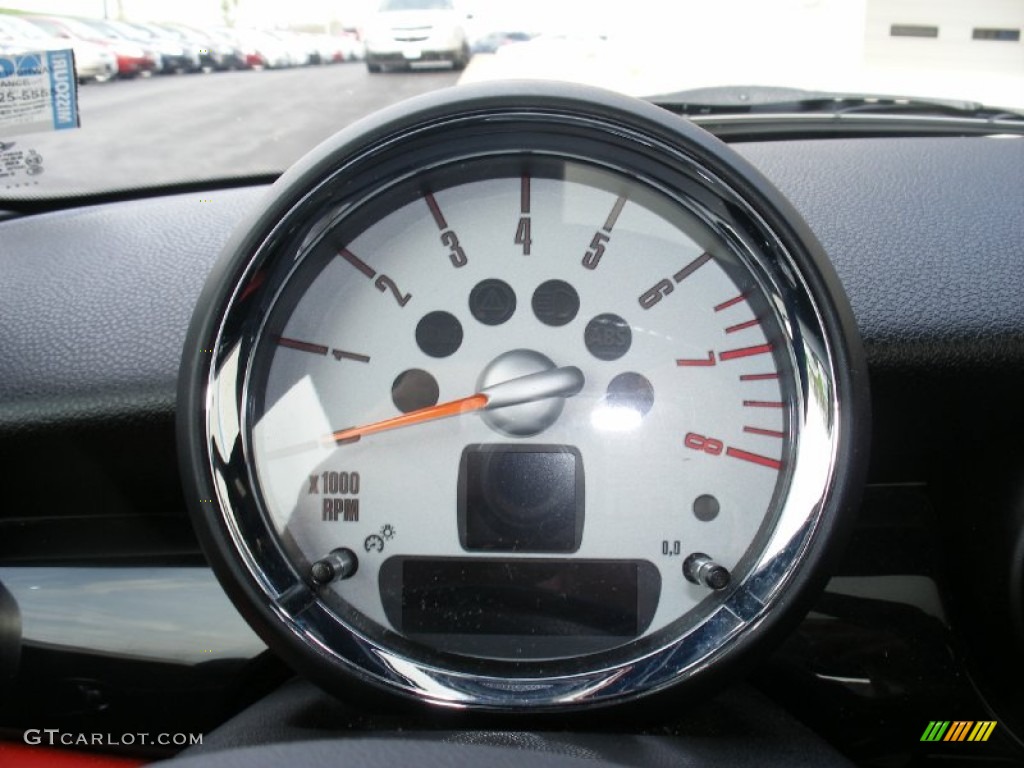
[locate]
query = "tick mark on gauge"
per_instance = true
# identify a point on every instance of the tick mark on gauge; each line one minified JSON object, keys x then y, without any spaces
{"x":764,"y":432}
{"x":753,"y":458}
{"x":743,"y":326}
{"x":356,"y":262}
{"x":759,"y":376}
{"x":492,"y":301}
{"x":761,"y":404}
{"x":733,"y":354}
{"x":439,"y":334}
{"x":340,"y":354}
{"x":692,"y":267}
{"x":729,"y":303}
{"x":555,"y":303}
{"x":613,"y":216}
{"x":302,"y":346}
{"x":435,"y":211}
{"x":523,"y":229}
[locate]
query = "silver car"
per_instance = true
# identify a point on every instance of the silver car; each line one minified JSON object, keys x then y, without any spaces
{"x":92,"y":62}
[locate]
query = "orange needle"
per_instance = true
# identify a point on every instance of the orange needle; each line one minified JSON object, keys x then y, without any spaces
{"x":441,"y":411}
{"x":555,"y":382}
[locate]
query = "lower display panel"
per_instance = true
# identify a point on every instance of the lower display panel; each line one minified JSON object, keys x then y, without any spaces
{"x":520,"y":608}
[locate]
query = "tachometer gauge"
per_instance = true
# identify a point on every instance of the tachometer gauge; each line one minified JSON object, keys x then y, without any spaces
{"x":521,"y":396}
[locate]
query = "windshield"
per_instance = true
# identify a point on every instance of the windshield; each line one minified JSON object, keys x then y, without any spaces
{"x":203,"y":91}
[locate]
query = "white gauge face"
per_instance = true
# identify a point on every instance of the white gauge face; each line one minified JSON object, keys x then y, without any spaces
{"x":518,"y":402}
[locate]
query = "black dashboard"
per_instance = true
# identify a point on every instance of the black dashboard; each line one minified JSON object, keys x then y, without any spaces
{"x":923,"y":620}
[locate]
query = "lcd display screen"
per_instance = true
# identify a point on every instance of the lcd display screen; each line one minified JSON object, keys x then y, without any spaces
{"x":520,"y":597}
{"x":521,"y":498}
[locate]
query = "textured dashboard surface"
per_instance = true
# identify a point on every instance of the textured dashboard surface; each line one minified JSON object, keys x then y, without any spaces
{"x":927,"y":236}
{"x":94,"y":303}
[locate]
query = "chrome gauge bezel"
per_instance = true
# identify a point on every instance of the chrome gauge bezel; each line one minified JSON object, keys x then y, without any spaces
{"x":827,"y":427}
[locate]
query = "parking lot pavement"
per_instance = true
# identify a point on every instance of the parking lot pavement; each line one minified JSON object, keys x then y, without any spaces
{"x":179,"y":128}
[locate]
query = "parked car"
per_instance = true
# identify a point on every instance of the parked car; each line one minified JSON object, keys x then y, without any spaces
{"x":405,"y":32}
{"x":300,"y":49}
{"x":132,"y":59}
{"x":175,"y":54}
{"x":93,"y":62}
{"x":262,"y":50}
{"x":117,"y":31}
{"x":325,"y":49}
{"x":351,"y":46}
{"x":216,"y":51}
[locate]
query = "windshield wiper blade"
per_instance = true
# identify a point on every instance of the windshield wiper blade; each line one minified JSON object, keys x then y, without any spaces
{"x":757,"y":99}
{"x":753,"y":113}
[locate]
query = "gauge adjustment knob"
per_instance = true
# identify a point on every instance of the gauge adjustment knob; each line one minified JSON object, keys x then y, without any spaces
{"x":339,"y":564}
{"x":701,"y":569}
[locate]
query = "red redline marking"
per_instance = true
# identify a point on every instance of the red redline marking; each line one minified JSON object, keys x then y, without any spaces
{"x":742,"y":326}
{"x":758,"y":376}
{"x":435,"y":211}
{"x":708,"y":361}
{"x":733,"y":354}
{"x":753,"y":458}
{"x":761,"y":404}
{"x":765,"y":432}
{"x":730,"y":303}
{"x":524,"y":193}
{"x":609,"y":223}
{"x":358,"y":263}
{"x":302,"y":346}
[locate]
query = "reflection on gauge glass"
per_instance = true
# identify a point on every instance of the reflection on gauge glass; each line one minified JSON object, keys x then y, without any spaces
{"x":521,"y":398}
{"x":648,"y":380}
